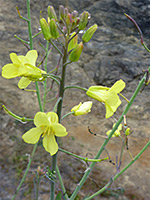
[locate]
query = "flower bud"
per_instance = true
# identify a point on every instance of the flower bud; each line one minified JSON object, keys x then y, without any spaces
{"x":127,"y":132}
{"x":89,"y":33}
{"x":51,"y":13}
{"x":45,"y":29}
{"x":76,"y":53}
{"x":61,"y":12}
{"x":69,"y":19}
{"x":73,"y":42}
{"x":82,"y":109}
{"x":53,"y":29}
{"x":83,"y":20}
{"x":74,"y":14}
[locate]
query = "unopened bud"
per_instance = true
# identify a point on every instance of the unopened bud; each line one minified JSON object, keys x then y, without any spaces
{"x":74,"y":14}
{"x":53,"y":29}
{"x":73,"y":42}
{"x":76,"y":53}
{"x":69,"y":19}
{"x":45,"y":29}
{"x":89,"y":33}
{"x":83,"y":20}
{"x":51,"y":13}
{"x":61,"y":12}
{"x":127,"y":132}
{"x":66,"y":11}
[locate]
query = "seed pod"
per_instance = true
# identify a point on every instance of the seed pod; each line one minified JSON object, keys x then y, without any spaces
{"x":45,"y":29}
{"x":53,"y":29}
{"x":51,"y":13}
{"x":89,"y":33}
{"x":76,"y":53}
{"x":83,"y":20}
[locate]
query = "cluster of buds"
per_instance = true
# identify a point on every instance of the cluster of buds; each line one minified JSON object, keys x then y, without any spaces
{"x":68,"y":25}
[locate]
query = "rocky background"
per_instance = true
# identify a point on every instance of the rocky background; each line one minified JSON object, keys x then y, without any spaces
{"x":114,"y":53}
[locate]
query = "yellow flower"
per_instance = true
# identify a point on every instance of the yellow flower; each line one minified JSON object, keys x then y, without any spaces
{"x":82,"y":109}
{"x":23,"y":66}
{"x":46,"y":125}
{"x":109,"y":96}
{"x":117,"y":132}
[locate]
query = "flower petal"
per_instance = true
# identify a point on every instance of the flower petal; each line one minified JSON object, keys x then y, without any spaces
{"x":10,"y":71}
{"x":23,"y":83}
{"x":50,"y":144}
{"x":60,"y":130}
{"x":32,"y":56}
{"x":14,"y":58}
{"x":118,"y":86}
{"x":41,"y":119}
{"x":32,"y":136}
{"x":52,"y":117}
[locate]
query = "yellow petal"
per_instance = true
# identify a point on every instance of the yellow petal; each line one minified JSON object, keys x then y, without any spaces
{"x":14,"y":58}
{"x":111,"y":98}
{"x":10,"y":71}
{"x":109,"y":111}
{"x":23,"y":83}
{"x":52,"y":117}
{"x":59,"y":130}
{"x":108,"y":132}
{"x":50,"y":144}
{"x":32,"y":56}
{"x":75,"y":108}
{"x":96,"y":94}
{"x":82,"y":109}
{"x":118,"y":86}
{"x":41,"y":119}
{"x":32,"y":136}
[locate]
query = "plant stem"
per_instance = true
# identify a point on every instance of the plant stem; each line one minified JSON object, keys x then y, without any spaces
{"x":59,"y":109}
{"x":85,"y":176}
{"x":39,"y":100}
{"x":45,"y":82}
{"x":26,"y":172}
{"x":61,"y":183}
{"x":82,"y":158}
{"x":118,"y":174}
{"x":77,"y":87}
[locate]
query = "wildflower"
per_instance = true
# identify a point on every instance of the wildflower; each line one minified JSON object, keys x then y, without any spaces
{"x":109,"y":96}
{"x":46,"y":125}
{"x":23,"y":66}
{"x":82,"y":109}
{"x":117,"y":132}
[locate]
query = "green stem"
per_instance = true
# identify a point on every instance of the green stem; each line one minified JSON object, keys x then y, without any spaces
{"x":53,"y":44}
{"x":26,"y":172}
{"x":120,"y":173}
{"x":65,"y":196}
{"x":66,"y":115}
{"x":21,"y":119}
{"x":82,"y":158}
{"x":59,"y":109}
{"x":39,"y":100}
{"x":82,"y":181}
{"x":75,"y":86}
{"x":23,"y":41}
{"x":45,"y":82}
